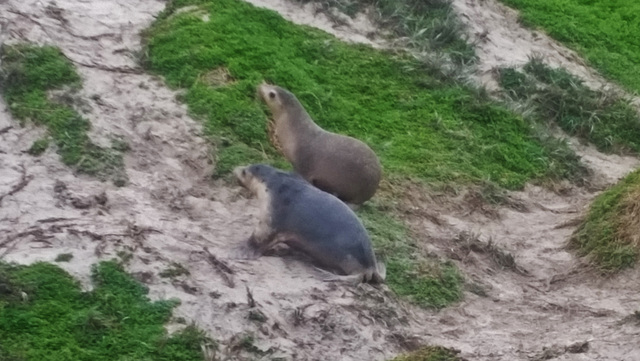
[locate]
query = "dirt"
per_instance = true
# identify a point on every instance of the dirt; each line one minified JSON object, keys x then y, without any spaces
{"x":171,"y":211}
{"x":354,"y":30}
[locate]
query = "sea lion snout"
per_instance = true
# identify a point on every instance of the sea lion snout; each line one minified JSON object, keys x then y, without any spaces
{"x":242,"y":174}
{"x":250,"y":175}
{"x":267,"y":92}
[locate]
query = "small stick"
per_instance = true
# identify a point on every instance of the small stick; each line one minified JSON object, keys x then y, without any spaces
{"x":25,"y":179}
{"x":224,"y":270}
{"x":34,"y":232}
{"x":54,"y":219}
{"x":250,"y":300}
{"x":6,"y":129}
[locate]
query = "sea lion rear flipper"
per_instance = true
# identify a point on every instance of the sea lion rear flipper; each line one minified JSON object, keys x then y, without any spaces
{"x":380,"y":274}
{"x":352,"y":280}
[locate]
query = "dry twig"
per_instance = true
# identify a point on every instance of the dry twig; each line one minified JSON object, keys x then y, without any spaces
{"x":250,"y":300}
{"x":24,"y":180}
{"x":54,"y":219}
{"x":39,"y":233}
{"x":224,"y":270}
{"x":113,"y":69}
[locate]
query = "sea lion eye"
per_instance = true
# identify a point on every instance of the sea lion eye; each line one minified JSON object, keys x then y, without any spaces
{"x":244,"y":172}
{"x":272,"y":94}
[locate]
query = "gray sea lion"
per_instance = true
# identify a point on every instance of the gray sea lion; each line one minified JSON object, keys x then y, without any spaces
{"x":309,"y":220}
{"x":341,"y":165}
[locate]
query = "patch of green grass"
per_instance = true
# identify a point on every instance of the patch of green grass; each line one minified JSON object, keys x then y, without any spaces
{"x":247,"y":343}
{"x":418,"y":125}
{"x":604,"y":119}
{"x":125,"y":257}
{"x":605,"y":32}
{"x":64,"y":257}
{"x":28,"y":75}
{"x":609,"y":234}
{"x":427,"y":26}
{"x":39,"y":146}
{"x":425,"y":281}
{"x":175,"y":270}
{"x":430,"y":353}
{"x":44,"y":315}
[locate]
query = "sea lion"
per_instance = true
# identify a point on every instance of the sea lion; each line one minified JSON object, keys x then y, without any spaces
{"x":309,"y":220}
{"x":338,"y":164}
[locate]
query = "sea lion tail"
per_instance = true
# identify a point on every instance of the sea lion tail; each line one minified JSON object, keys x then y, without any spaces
{"x":373,"y":275}
{"x":332,"y":277}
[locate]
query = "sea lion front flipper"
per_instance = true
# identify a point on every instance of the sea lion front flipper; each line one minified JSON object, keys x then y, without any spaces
{"x":245,"y":251}
{"x":261,"y":239}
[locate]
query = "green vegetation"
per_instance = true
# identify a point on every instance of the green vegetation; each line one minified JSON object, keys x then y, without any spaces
{"x":428,"y":26}
{"x":246,"y":343}
{"x":470,"y":242}
{"x":39,"y":146}
{"x":64,"y":257}
{"x":175,"y":270}
{"x":605,"y":32}
{"x":419,"y":125}
{"x":125,"y":257}
{"x":28,"y":75}
{"x":425,"y":281}
{"x":44,"y":315}
{"x":609,"y":234}
{"x":603,"y":119}
{"x":430,"y":353}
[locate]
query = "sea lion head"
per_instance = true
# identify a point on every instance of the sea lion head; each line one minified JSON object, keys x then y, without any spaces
{"x":279,"y":100}
{"x":254,"y":177}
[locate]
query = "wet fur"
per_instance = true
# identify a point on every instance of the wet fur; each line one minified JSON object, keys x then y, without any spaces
{"x":309,"y":220}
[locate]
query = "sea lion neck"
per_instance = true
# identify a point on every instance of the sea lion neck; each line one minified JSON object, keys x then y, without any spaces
{"x":295,"y":128}
{"x":297,"y":119}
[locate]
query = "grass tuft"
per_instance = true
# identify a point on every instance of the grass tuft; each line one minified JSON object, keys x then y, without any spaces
{"x":175,"y":270}
{"x":431,"y":353}
{"x":608,"y":235}
{"x":39,"y":146}
{"x":469,"y":242}
{"x":602,"y":118}
{"x":28,"y":75}
{"x":64,"y":257}
{"x":44,"y":315}
{"x":418,"y":124}
{"x":425,"y":281}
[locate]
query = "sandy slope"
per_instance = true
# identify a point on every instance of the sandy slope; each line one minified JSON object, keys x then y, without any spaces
{"x":171,"y":210}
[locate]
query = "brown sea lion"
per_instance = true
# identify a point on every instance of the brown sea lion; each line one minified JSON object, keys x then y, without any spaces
{"x":341,"y":165}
